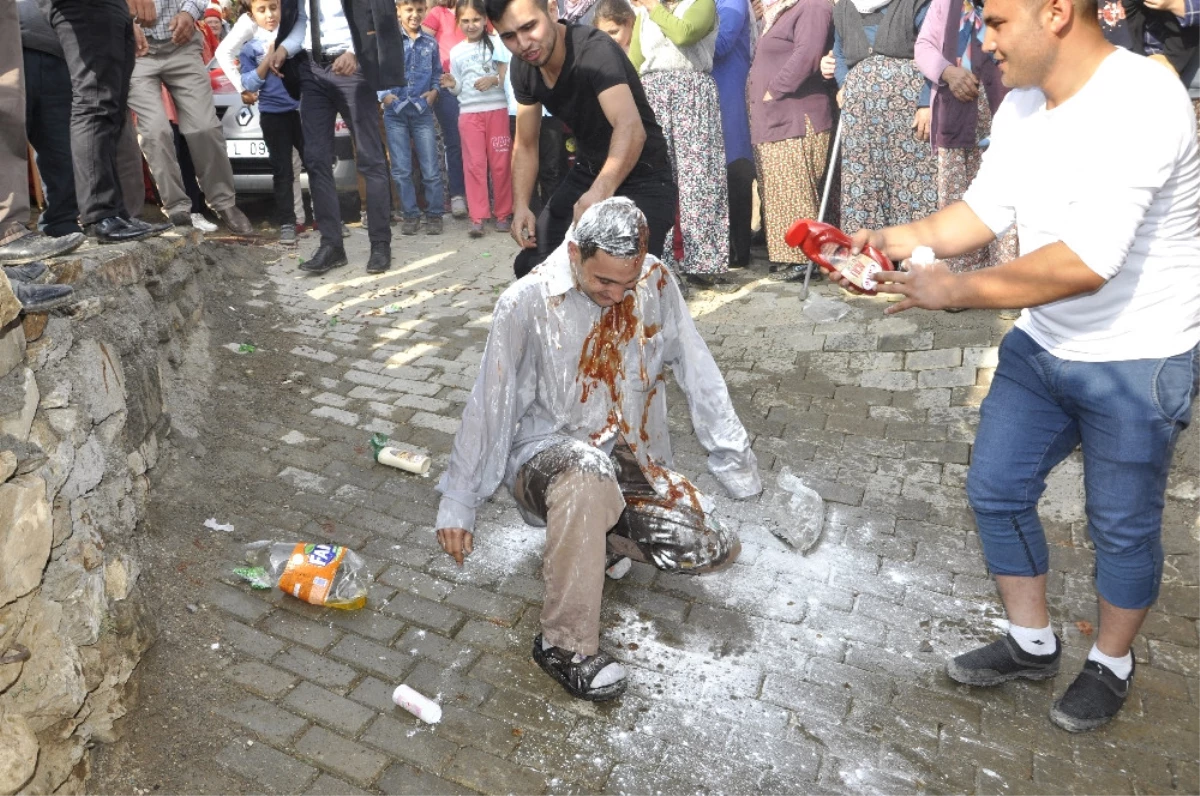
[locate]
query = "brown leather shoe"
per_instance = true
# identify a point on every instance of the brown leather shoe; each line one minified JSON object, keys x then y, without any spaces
{"x":236,"y":221}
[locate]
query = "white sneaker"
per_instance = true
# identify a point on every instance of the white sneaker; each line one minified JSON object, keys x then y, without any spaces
{"x":203,"y":224}
{"x":458,"y":207}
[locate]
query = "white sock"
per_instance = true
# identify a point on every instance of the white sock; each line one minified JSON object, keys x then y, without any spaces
{"x":1121,"y":667}
{"x":1034,"y":640}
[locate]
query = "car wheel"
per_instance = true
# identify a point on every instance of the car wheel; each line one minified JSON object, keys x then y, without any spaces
{"x":350,"y":206}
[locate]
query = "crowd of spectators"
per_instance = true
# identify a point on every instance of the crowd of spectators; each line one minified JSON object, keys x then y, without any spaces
{"x":896,"y":96}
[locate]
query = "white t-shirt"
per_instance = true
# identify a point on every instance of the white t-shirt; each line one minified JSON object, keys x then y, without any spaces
{"x":1114,"y":174}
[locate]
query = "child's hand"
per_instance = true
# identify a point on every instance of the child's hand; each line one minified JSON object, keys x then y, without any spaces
{"x":486,"y":82}
{"x":447,"y":80}
{"x":249,"y":97}
{"x":1176,"y":7}
{"x":430,"y":96}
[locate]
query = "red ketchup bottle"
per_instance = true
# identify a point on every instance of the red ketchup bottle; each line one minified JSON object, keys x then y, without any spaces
{"x":829,"y":247}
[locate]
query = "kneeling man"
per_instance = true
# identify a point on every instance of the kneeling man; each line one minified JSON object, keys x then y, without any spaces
{"x":569,"y":410}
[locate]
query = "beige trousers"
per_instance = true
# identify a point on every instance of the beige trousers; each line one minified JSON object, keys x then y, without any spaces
{"x":14,"y":165}
{"x":180,"y":69}
{"x":594,"y":504}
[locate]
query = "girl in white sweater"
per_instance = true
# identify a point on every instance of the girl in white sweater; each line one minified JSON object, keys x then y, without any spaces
{"x":477,"y":79}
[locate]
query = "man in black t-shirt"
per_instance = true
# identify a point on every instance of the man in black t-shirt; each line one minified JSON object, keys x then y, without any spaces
{"x":583,"y":78}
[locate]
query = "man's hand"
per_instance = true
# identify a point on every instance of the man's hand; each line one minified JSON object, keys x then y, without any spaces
{"x":182,"y":27}
{"x":1176,"y":7}
{"x":141,"y":47}
{"x":145,"y":13}
{"x":828,"y":65}
{"x":920,"y":124}
{"x":597,"y":193}
{"x":276,"y":59}
{"x":963,"y":84}
{"x":345,"y":64}
{"x":457,"y":543}
{"x":926,"y":286}
{"x":249,"y":97}
{"x":524,"y":228}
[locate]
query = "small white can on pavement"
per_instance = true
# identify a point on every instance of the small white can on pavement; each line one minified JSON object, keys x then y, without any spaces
{"x":417,"y":704}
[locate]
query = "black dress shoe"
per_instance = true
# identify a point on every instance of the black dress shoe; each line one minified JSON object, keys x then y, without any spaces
{"x":33,"y":272}
{"x":40,"y":298}
{"x":36,"y":246}
{"x":115,"y":229}
{"x":326,"y":259}
{"x":380,"y":259}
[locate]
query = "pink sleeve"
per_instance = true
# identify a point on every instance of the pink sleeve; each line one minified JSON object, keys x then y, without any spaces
{"x":927,"y":52}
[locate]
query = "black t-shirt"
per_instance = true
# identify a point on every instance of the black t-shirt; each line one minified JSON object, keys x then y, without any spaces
{"x":594,"y":63}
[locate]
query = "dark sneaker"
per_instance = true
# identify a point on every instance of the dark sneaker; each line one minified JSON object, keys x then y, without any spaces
{"x":476,"y":230}
{"x":287,"y":235}
{"x":32,"y":272}
{"x":1093,"y":699}
{"x":577,"y":673}
{"x":409,"y":226}
{"x":326,"y":259}
{"x":42,"y":298}
{"x":433,"y":225}
{"x":380,"y":259}
{"x":1001,"y":661}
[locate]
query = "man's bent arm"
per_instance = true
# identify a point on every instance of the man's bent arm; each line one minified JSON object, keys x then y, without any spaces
{"x":1050,"y":273}
{"x":628,"y":138}
{"x":714,"y":419}
{"x":525,"y":153}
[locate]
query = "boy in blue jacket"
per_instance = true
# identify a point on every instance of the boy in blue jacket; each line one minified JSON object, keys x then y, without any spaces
{"x":278,"y":111}
{"x":409,"y":122}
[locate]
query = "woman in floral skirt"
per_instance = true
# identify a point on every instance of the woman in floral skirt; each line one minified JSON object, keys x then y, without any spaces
{"x":889,"y":176}
{"x":673,"y":46}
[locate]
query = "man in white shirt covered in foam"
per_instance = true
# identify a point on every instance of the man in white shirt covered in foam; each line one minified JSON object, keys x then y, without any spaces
{"x":1093,"y":156}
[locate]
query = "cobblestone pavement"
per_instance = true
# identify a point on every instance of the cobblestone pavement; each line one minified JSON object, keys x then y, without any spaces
{"x":789,"y":673}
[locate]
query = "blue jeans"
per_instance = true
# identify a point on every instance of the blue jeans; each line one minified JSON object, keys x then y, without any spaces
{"x":411,"y":125}
{"x":1126,"y":415}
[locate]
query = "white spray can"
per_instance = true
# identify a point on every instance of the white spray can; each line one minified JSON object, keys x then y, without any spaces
{"x":417,"y":704}
{"x":394,"y":457}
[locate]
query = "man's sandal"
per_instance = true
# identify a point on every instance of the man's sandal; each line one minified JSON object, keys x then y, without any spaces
{"x":576,"y":676}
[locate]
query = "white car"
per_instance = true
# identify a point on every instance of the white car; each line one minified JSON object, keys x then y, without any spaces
{"x":248,"y":151}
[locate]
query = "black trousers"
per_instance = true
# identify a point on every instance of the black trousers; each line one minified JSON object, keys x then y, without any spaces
{"x":655,"y":196}
{"x":282,"y":133}
{"x":97,"y":42}
{"x":552,"y":159}
{"x":48,"y":128}
{"x":323,"y":95}
{"x":740,"y":177}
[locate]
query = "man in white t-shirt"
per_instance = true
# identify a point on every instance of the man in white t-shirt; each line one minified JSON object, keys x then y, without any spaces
{"x":1094,"y":158}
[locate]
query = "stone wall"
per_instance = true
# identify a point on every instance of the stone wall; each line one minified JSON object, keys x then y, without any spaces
{"x":85,"y":402}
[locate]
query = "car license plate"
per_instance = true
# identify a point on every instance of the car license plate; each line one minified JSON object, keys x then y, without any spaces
{"x":246,"y":149}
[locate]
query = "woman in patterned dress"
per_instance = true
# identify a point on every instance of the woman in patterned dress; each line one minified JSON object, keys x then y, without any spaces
{"x":673,"y":47}
{"x":966,"y":91}
{"x":888,"y":173}
{"x":791,"y":113}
